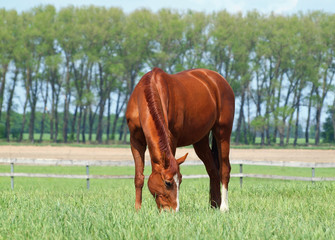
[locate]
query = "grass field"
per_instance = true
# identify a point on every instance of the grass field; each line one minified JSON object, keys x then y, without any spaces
{"x":185,"y":170}
{"x":263,"y":209}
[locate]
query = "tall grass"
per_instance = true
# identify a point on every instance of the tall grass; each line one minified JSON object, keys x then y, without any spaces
{"x":262,"y":209}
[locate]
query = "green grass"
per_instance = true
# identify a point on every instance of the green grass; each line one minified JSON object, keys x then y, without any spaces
{"x":185,"y":170}
{"x":263,"y":209}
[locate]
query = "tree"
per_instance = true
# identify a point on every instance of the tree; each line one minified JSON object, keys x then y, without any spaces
{"x":8,"y":19}
{"x":242,"y":49}
{"x":167,"y":40}
{"x":136,"y":45}
{"x":41,"y":44}
{"x":78,"y":64}
{"x":328,"y":133}
{"x":220,"y":51}
{"x":9,"y":51}
{"x":332,"y":111}
{"x":68,"y":38}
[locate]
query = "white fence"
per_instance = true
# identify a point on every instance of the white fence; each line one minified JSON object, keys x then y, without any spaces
{"x":88,"y":176}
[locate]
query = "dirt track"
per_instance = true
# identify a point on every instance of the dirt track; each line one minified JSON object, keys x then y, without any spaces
{"x":124,"y":154}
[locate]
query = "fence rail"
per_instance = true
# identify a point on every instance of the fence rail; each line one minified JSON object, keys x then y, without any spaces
{"x":88,"y":176}
{"x":57,"y":162}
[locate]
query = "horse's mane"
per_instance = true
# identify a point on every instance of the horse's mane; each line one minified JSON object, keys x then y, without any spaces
{"x":156,"y":110}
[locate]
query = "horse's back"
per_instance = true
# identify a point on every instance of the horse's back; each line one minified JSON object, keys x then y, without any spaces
{"x":192,"y":101}
{"x":207,"y":87}
{"x":199,"y":99}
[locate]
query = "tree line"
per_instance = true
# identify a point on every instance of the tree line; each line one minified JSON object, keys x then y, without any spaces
{"x":76,"y":67}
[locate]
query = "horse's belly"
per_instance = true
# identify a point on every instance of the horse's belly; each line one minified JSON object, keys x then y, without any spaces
{"x":197,"y":124}
{"x":194,"y":110}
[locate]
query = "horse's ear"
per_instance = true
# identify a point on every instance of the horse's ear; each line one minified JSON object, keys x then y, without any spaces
{"x":182,"y":159}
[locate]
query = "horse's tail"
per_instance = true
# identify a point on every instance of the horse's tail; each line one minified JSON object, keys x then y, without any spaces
{"x":215,"y":152}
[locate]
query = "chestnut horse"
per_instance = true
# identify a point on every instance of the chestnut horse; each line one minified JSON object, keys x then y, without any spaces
{"x":166,"y":111}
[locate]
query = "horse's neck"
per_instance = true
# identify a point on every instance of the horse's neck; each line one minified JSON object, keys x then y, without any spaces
{"x":160,"y":166}
{"x":157,"y":133}
{"x":159,"y":152}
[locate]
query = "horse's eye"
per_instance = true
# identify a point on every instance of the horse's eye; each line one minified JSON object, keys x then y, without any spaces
{"x":168,"y":184}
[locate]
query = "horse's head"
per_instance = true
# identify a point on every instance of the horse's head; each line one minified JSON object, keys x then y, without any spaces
{"x":164,"y":185}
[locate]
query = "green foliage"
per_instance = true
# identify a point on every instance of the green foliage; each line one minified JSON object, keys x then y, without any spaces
{"x":275,"y":63}
{"x":328,"y":129}
{"x":258,"y":123}
{"x":2,"y":130}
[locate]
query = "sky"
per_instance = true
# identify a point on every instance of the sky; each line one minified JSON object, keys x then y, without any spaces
{"x":233,"y":6}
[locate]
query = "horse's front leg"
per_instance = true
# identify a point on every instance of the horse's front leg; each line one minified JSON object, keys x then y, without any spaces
{"x":138,"y":150}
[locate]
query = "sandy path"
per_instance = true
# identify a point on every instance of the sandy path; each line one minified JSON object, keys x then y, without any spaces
{"x":124,"y":154}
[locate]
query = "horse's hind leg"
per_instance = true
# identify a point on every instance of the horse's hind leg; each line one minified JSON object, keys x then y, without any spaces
{"x":204,"y":153}
{"x":222,"y":135}
{"x":138,"y":150}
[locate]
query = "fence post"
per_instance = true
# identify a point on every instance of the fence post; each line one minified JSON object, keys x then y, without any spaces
{"x":88,"y":177}
{"x":12,"y":174}
{"x":241,"y":178}
{"x":313,"y":174}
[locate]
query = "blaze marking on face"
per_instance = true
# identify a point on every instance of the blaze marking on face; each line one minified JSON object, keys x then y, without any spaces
{"x":176,"y":179}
